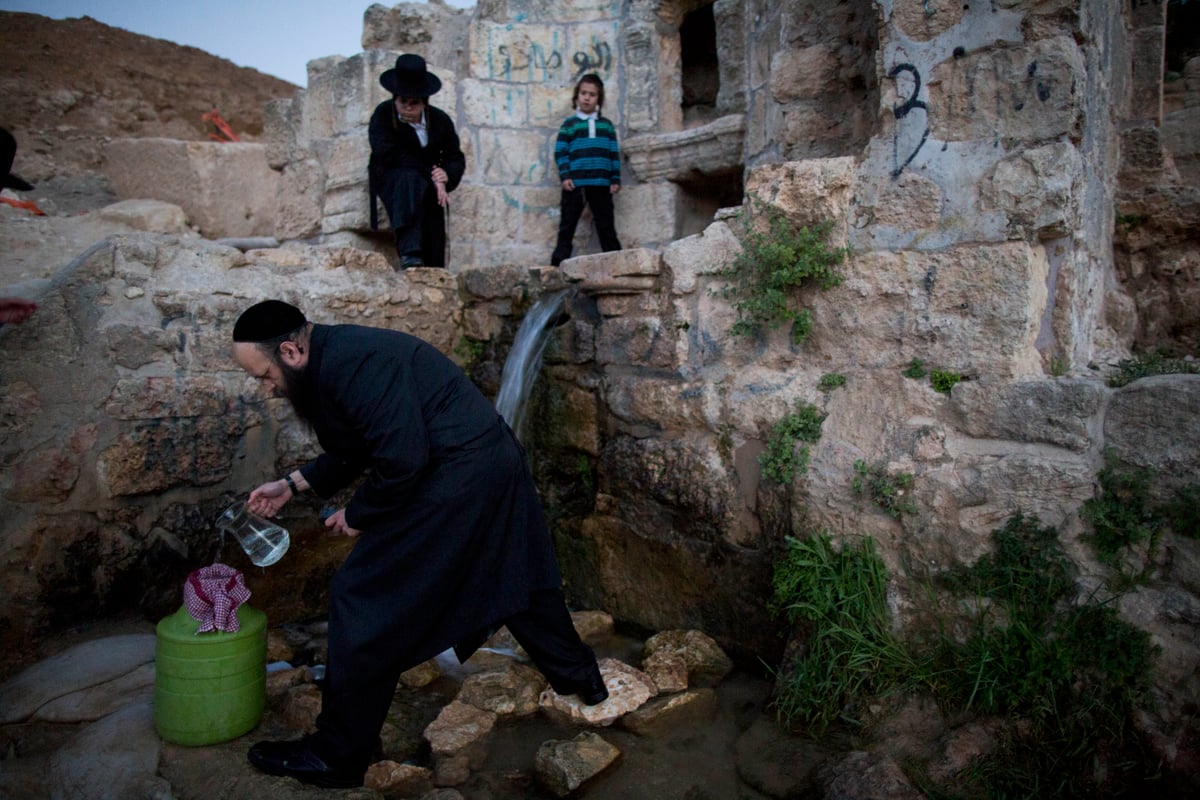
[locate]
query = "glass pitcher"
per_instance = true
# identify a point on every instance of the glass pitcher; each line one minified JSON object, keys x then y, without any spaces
{"x":263,"y":540}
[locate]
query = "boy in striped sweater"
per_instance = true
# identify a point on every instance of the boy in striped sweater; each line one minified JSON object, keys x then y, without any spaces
{"x":589,"y":165}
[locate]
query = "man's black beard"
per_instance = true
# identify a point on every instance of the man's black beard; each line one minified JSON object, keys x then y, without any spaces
{"x":299,"y":391}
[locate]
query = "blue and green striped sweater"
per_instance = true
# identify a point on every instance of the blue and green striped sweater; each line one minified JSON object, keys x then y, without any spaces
{"x":586,"y":160}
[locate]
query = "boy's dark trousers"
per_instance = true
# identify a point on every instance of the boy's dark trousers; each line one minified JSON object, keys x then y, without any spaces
{"x":600,"y":200}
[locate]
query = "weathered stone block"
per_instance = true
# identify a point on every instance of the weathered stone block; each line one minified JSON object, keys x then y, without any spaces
{"x":1058,"y":412}
{"x":706,"y":253}
{"x":644,"y":341}
{"x":226,"y":189}
{"x":648,"y":214}
{"x":1022,"y":94}
{"x":339,"y":100}
{"x":157,"y":456}
{"x":300,"y":200}
{"x":1039,"y":190}
{"x":973,"y":309}
{"x":514,"y":158}
{"x":808,"y":193}
{"x":495,"y":104}
{"x":803,"y":73}
{"x":1155,"y":423}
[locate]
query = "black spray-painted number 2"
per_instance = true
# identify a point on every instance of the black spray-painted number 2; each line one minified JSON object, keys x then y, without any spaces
{"x":901,"y":111}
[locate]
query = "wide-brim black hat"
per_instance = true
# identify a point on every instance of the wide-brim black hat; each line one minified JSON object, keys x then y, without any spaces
{"x":410,"y":78}
{"x":8,"y":151}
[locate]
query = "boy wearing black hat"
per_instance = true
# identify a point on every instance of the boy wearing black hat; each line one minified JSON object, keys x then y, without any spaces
{"x":416,"y":161}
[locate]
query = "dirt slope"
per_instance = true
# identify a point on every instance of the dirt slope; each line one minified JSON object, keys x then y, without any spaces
{"x":69,"y":84}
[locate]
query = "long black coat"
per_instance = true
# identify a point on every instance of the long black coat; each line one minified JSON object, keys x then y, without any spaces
{"x":453,"y":537}
{"x":399,"y":171}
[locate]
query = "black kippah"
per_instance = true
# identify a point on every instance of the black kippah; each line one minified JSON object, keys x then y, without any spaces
{"x":267,"y":320}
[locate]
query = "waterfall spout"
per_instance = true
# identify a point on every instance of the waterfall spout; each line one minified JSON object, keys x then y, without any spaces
{"x":525,"y":360}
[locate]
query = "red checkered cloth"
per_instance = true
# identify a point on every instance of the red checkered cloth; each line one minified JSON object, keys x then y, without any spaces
{"x":212,"y":596}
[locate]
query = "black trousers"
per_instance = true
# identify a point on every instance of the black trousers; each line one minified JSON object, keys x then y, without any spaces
{"x":600,"y":200}
{"x":418,"y":222}
{"x":354,"y":707}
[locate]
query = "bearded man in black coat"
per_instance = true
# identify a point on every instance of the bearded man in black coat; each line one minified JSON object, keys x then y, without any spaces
{"x":451,"y":540}
{"x":416,"y":161}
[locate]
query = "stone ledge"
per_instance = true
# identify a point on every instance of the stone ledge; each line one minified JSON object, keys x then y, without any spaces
{"x":708,"y":150}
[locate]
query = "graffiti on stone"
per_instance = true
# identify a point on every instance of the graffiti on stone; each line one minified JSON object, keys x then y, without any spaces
{"x":537,"y":63}
{"x":901,"y":113}
{"x":599,"y":59}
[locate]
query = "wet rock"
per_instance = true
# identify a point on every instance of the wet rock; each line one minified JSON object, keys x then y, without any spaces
{"x":776,"y":763}
{"x":422,"y":674}
{"x":279,"y":647}
{"x":399,"y":780}
{"x":85,"y":666}
{"x":667,"y":669}
{"x":100,"y":701}
{"x":562,"y":766}
{"x":592,"y":626}
{"x":864,"y":776}
{"x":459,"y":740}
{"x":512,"y":691}
{"x":302,"y":706}
{"x":677,"y":712}
{"x":282,"y":681}
{"x":707,"y":664}
{"x":911,"y":732}
{"x":960,"y":748}
{"x":116,"y":757}
{"x":628,"y":690}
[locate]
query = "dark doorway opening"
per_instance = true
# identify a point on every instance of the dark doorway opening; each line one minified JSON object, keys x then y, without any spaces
{"x":701,"y":78}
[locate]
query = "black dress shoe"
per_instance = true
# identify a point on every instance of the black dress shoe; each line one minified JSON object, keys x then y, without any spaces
{"x":593,"y":690}
{"x":298,"y":760}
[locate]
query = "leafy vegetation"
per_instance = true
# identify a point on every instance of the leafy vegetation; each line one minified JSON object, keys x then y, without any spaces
{"x":943,"y":380}
{"x":784,"y":459}
{"x":830,"y":381}
{"x":1131,"y":369}
{"x":1127,"y":524}
{"x":916,"y":369}
{"x":840,"y":596}
{"x":1063,"y":673}
{"x":886,"y":491}
{"x":772,"y":265}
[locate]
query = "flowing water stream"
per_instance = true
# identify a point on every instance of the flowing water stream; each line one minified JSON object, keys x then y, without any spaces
{"x":694,"y":762}
{"x":524,"y":361}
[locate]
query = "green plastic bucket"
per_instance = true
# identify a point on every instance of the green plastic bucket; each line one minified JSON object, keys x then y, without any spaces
{"x":209,"y":687}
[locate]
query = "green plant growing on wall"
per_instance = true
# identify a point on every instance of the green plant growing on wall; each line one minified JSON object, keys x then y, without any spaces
{"x":1131,"y":369}
{"x":1069,"y":669}
{"x":916,"y":369}
{"x":1062,"y":674}
{"x":787,"y":451}
{"x":1127,"y":524}
{"x":943,"y":380}
{"x":1183,"y":512}
{"x":469,"y":352}
{"x":830,"y":381}
{"x":773,"y":264}
{"x":886,"y":491}
{"x":840,"y":596}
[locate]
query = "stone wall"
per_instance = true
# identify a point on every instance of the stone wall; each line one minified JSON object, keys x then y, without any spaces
{"x":976,"y":198}
{"x":127,"y":427}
